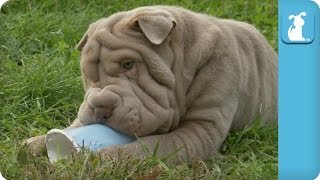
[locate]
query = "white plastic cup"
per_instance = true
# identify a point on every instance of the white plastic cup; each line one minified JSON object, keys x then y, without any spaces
{"x":61,"y":143}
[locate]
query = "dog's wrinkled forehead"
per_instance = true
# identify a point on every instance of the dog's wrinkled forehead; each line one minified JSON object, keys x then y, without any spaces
{"x":153,"y":23}
{"x":102,"y":24}
{"x":137,"y":30}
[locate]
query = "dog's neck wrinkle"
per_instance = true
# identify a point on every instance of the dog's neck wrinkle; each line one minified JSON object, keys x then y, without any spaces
{"x":195,"y":57}
{"x":188,"y":59}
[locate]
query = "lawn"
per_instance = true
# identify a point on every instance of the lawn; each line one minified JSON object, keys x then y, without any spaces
{"x":40,"y":89}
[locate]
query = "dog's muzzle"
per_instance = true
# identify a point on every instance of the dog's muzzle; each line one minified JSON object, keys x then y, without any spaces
{"x":102,"y":101}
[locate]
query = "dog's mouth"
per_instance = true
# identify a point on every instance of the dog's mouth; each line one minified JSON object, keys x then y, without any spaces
{"x":124,"y":119}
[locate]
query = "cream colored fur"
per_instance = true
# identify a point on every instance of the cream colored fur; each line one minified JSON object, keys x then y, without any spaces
{"x":194,"y":78}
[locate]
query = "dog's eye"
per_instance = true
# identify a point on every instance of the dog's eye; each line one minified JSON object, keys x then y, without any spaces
{"x":127,"y":64}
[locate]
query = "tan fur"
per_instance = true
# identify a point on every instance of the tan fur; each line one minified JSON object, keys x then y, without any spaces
{"x":194,"y":78}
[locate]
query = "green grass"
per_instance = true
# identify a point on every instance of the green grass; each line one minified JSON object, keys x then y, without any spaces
{"x":40,"y":89}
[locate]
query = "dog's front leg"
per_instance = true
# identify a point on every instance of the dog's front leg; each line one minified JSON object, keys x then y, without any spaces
{"x":193,"y":139}
{"x":199,"y":135}
{"x":37,"y":146}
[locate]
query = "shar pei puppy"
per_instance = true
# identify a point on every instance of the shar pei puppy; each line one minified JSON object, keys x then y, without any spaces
{"x":174,"y":77}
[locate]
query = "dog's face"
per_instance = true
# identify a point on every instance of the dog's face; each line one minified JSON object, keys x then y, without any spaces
{"x":126,"y":67}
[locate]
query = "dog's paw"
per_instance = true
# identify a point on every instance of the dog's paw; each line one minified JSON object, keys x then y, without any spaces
{"x":109,"y":152}
{"x":36,"y":145}
{"x":131,"y":150}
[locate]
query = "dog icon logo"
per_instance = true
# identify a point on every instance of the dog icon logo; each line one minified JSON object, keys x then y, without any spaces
{"x":298,"y":27}
{"x":295,"y":30}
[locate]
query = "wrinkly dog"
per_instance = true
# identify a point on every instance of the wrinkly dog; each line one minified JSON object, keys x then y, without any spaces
{"x":174,"y":77}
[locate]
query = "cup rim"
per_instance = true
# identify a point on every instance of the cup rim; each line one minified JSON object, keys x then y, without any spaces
{"x":52,"y":153}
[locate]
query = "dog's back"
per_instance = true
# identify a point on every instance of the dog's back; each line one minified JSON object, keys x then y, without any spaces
{"x":248,"y":49}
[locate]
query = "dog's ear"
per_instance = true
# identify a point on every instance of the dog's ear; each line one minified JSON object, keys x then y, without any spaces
{"x":85,"y":37}
{"x":291,"y":17}
{"x":82,"y":42}
{"x":155,"y":25}
{"x":303,"y":14}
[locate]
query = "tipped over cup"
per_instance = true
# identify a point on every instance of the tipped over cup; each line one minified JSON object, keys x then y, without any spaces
{"x":62,"y":143}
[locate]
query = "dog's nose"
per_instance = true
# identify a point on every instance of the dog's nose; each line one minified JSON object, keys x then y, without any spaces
{"x":103,"y":102}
